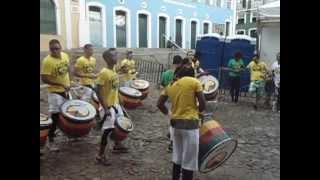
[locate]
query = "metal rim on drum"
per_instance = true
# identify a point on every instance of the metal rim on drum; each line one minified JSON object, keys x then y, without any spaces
{"x":81,"y":105}
{"x":131,"y":92}
{"x":208,"y":157}
{"x":145,"y":83}
{"x":121,"y":125}
{"x":205,"y":79}
{"x":45,"y":121}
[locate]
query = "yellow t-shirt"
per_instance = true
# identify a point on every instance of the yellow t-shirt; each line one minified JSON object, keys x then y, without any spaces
{"x":257,"y":70}
{"x":182,"y":95}
{"x":86,"y":67}
{"x":110,"y":81}
{"x":58,"y":69}
{"x":131,"y":69}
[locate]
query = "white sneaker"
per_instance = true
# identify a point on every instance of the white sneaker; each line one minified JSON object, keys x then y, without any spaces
{"x":52,"y":146}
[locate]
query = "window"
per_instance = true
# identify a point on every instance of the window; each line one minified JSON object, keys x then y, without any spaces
{"x":229,"y":3}
{"x":241,"y":32}
{"x":241,"y":17}
{"x":218,"y":3}
{"x":121,"y":28}
{"x":48,"y":21}
{"x":254,"y":17}
{"x":253,"y":33}
{"x":205,"y":28}
{"x":244,"y":4}
{"x":249,"y":4}
{"x":219,"y":28}
{"x":227,"y":28}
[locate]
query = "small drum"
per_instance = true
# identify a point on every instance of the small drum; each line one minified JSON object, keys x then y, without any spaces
{"x":123,"y":126}
{"x":45,"y":123}
{"x":130,"y":97}
{"x":215,"y":146}
{"x":76,"y":118}
{"x":210,"y":86}
{"x":142,"y":86}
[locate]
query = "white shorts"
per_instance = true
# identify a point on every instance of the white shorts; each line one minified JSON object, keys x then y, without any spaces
{"x":186,"y":148}
{"x":110,"y":120}
{"x":55,"y":101}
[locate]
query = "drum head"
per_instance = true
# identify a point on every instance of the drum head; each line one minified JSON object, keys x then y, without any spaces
{"x":210,"y":84}
{"x":44,"y":120}
{"x":125,"y":123}
{"x":130,"y":92}
{"x":78,"y":110}
{"x":139,"y":84}
{"x":218,"y":155}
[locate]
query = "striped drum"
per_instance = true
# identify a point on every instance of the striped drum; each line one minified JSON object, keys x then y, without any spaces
{"x":215,"y":145}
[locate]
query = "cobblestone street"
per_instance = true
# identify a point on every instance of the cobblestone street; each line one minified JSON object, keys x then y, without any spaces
{"x":256,"y":158}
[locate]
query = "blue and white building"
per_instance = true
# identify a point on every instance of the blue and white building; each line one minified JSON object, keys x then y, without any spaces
{"x":147,"y":23}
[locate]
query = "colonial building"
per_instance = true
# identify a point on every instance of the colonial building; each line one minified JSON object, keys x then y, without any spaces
{"x":247,"y":16}
{"x":133,"y":23}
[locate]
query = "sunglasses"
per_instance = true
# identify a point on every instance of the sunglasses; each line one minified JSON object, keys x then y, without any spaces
{"x":52,"y":49}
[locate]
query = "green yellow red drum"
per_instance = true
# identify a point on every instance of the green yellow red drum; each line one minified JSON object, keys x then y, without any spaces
{"x":215,"y":146}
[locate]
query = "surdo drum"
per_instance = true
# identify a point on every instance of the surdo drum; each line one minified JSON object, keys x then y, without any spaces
{"x":45,"y":123}
{"x":215,"y":145}
{"x":130,"y":97}
{"x":142,"y":86}
{"x":76,"y":118}
{"x":123,"y":126}
{"x":210,"y":86}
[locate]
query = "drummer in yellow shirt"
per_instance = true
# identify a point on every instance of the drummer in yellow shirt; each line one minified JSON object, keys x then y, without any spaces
{"x":55,"y":72}
{"x":185,"y":120}
{"x":107,"y":90}
{"x":127,"y":70}
{"x":258,"y":70}
{"x":85,"y":67}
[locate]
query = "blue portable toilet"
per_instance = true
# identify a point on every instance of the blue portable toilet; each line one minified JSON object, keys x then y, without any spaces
{"x":246,"y":45}
{"x":209,"y":48}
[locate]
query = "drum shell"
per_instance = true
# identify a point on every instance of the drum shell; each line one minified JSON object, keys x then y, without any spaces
{"x":43,"y":136}
{"x":74,"y":128}
{"x":129,"y":102}
{"x":210,"y":96}
{"x":144,"y":92}
{"x":118,"y":134}
{"x":211,"y":134}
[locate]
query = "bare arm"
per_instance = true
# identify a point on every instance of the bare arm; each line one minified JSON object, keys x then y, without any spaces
{"x":162,"y":99}
{"x":101,"y":99}
{"x":51,"y":81}
{"x":201,"y":100}
{"x":78,"y":74}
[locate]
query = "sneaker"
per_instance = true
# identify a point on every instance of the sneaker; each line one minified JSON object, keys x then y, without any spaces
{"x":52,"y":146}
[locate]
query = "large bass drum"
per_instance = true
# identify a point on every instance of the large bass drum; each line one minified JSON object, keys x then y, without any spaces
{"x":210,"y":86}
{"x":130,"y":97}
{"x":142,"y":86}
{"x":76,"y":118}
{"x":45,"y":123}
{"x":215,"y":145}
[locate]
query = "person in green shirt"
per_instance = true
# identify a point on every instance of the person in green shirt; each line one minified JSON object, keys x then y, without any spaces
{"x":235,"y":66}
{"x":168,"y":75}
{"x":166,"y":78}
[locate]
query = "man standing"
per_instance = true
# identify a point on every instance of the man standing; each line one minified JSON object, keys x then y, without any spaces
{"x":235,"y":65}
{"x":128,"y":69}
{"x":85,"y":67}
{"x":55,"y":73}
{"x":258,"y":71}
{"x":107,"y":90}
{"x":183,"y":94}
{"x":276,"y":78}
{"x":167,"y":78}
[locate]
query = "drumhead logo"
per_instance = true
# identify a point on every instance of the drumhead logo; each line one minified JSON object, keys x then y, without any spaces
{"x":88,"y":68}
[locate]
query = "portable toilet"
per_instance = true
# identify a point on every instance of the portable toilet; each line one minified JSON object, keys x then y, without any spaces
{"x":209,"y":48}
{"x":244,"y":44}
